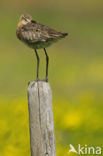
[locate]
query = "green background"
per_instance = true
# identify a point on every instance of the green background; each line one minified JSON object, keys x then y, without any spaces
{"x":75,"y":74}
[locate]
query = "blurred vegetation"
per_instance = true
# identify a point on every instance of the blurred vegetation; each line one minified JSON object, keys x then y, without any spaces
{"x":75,"y":74}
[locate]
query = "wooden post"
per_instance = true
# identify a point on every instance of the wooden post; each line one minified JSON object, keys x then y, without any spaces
{"x":42,"y":138}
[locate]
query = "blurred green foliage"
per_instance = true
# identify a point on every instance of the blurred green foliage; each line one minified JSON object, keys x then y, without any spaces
{"x":75,"y":74}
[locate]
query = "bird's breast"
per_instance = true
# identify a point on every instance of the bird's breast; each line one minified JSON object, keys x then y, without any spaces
{"x":18,"y":34}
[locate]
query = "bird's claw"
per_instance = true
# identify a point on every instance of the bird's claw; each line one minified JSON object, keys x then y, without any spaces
{"x":37,"y":80}
{"x":44,"y":80}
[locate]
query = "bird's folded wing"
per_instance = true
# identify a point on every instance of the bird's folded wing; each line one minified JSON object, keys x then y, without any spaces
{"x":37,"y":32}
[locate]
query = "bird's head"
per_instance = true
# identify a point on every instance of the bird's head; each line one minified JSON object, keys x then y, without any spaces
{"x":24,"y":19}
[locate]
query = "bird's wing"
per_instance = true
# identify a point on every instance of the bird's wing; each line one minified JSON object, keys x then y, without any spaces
{"x":34,"y":32}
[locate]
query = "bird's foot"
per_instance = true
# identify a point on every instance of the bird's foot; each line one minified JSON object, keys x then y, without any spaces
{"x":38,"y":80}
{"x":33,"y":82}
{"x":44,"y":80}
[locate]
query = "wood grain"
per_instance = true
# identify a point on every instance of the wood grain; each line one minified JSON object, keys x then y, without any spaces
{"x":42,"y":138}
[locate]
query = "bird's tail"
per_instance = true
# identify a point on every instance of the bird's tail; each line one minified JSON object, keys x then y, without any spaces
{"x":64,"y":34}
{"x":60,"y":35}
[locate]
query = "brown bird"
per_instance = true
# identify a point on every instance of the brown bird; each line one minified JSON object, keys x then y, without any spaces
{"x":37,"y":36}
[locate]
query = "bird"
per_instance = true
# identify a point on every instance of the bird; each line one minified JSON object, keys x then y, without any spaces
{"x":37,"y":36}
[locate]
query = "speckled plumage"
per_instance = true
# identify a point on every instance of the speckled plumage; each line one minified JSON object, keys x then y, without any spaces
{"x":37,"y":35}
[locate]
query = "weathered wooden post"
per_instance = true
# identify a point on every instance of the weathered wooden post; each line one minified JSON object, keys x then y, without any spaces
{"x":42,"y":138}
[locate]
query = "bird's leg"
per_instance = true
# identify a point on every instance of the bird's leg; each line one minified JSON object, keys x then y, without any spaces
{"x":37,"y":56}
{"x":47,"y":63}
